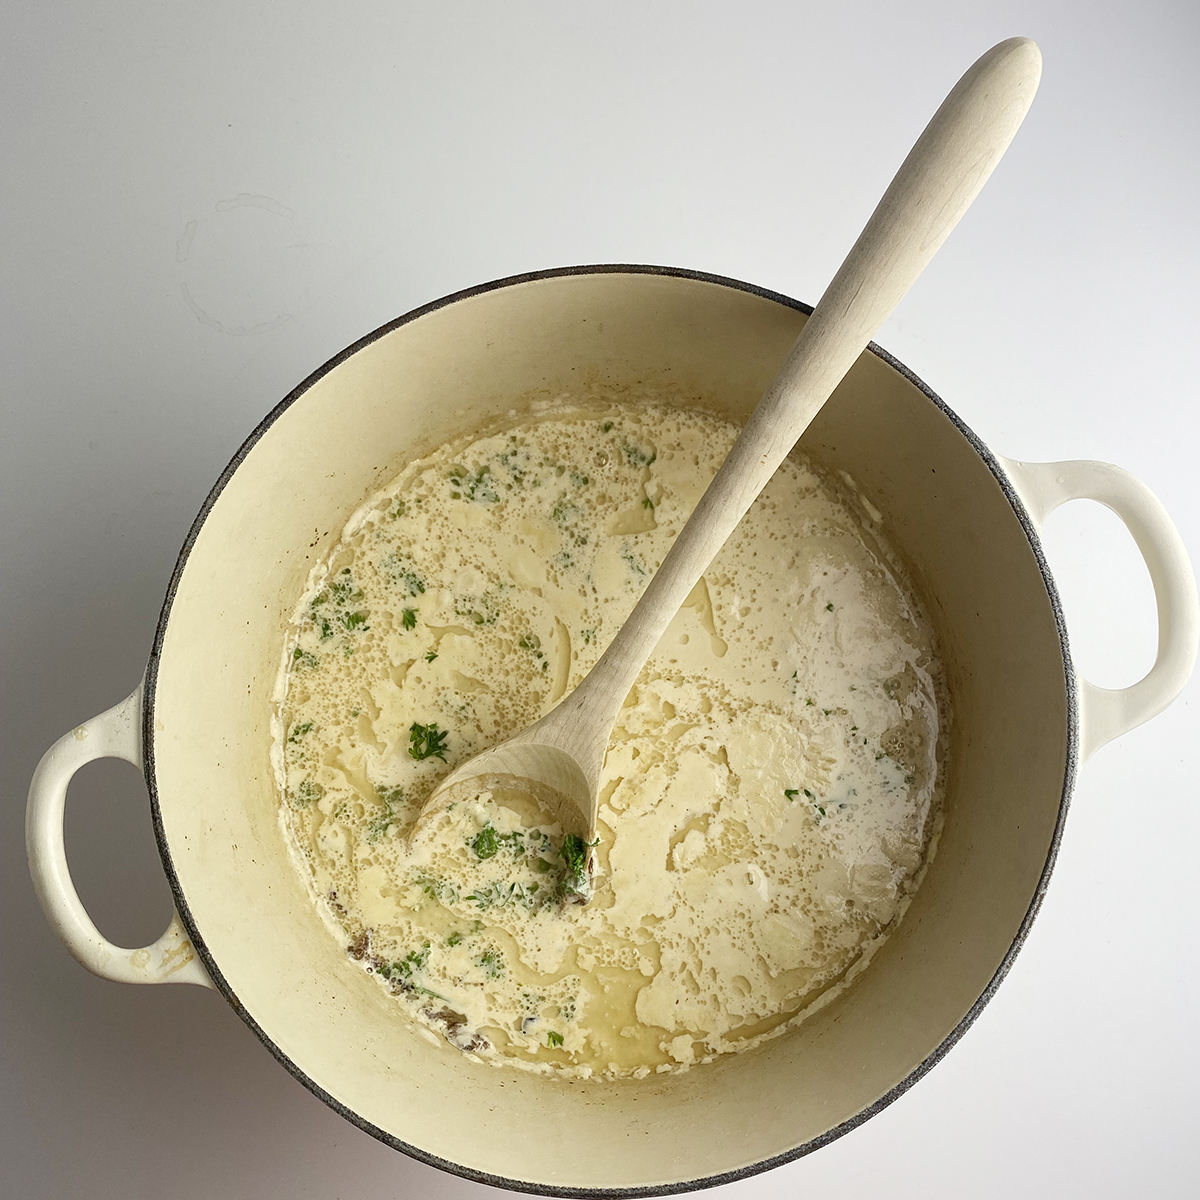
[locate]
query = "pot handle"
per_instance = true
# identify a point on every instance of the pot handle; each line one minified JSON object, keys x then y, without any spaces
{"x":113,"y":734}
{"x":1106,"y":713}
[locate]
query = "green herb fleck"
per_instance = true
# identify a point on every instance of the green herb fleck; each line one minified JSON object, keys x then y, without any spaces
{"x":635,"y":456}
{"x":829,"y":607}
{"x":481,"y":610}
{"x":402,"y":572}
{"x":492,"y":963}
{"x":407,"y":967}
{"x":565,"y":511}
{"x":606,"y":427}
{"x":484,"y":843}
{"x":430,"y":655}
{"x":344,"y":588}
{"x":304,"y":658}
{"x":353,"y":620}
{"x":299,"y":731}
{"x":389,"y":797}
{"x":309,"y":792}
{"x":575,"y":884}
{"x":427,"y":741}
{"x":439,"y":889}
{"x":791,"y":793}
{"x":553,"y":1039}
{"x":631,"y":560}
{"x":408,"y":618}
{"x":477,"y":486}
{"x":647,"y":503}
{"x":454,"y":939}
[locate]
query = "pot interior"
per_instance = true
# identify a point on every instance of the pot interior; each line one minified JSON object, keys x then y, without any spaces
{"x":451,"y":369}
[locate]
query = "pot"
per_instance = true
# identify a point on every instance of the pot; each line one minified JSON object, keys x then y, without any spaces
{"x":965,"y":520}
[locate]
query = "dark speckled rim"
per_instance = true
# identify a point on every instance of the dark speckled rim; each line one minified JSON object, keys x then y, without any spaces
{"x":518,"y":1185}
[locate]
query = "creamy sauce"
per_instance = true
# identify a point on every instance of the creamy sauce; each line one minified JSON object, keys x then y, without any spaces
{"x":770,"y":794}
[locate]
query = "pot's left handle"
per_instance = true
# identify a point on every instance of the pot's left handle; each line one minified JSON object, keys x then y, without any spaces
{"x":1106,"y":713}
{"x":113,"y":734}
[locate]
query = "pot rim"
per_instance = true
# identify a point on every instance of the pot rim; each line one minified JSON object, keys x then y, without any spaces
{"x":745,"y":1172}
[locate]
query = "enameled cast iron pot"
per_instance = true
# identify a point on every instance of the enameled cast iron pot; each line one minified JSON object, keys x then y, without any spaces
{"x":199,"y":726}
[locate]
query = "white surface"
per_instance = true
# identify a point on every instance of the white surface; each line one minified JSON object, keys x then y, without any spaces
{"x":342,"y":164}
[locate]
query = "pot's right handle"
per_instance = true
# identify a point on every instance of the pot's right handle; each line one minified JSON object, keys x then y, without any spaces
{"x":113,"y":734}
{"x":1107,"y":713}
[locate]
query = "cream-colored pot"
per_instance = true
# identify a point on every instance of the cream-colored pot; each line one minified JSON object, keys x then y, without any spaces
{"x":965,"y":520}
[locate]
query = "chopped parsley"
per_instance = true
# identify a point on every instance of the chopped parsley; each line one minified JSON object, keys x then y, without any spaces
{"x":408,"y":618}
{"x":430,"y":655}
{"x":407,"y":967}
{"x":485,"y":843}
{"x":575,"y":884}
{"x":791,"y":793}
{"x":389,"y":797}
{"x":635,"y":456}
{"x":308,"y":792}
{"x":299,"y":731}
{"x":553,"y":1039}
{"x":477,"y":486}
{"x":401,"y":571}
{"x":343,"y":588}
{"x":564,"y":511}
{"x":631,"y":560}
{"x":427,"y":741}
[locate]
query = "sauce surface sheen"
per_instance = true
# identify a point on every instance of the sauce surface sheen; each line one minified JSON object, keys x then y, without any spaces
{"x":771,"y":792}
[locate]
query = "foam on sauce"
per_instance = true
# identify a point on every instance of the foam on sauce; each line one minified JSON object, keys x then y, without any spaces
{"x":770,"y":795}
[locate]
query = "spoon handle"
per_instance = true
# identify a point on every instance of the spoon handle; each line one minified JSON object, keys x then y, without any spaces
{"x":935,"y":185}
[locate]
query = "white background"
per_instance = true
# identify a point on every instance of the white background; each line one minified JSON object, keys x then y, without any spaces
{"x":399,"y":151}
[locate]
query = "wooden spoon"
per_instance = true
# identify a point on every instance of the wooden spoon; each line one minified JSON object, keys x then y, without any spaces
{"x":559,"y":758}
